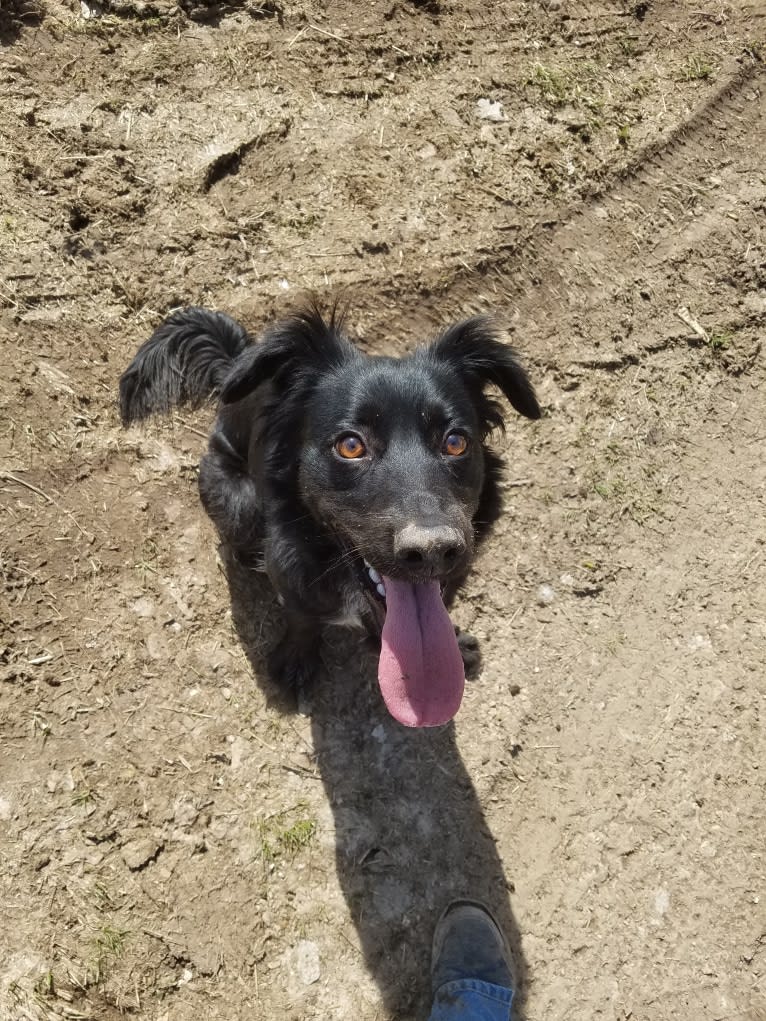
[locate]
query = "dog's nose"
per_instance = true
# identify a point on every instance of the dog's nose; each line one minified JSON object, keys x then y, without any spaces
{"x":434,"y":549}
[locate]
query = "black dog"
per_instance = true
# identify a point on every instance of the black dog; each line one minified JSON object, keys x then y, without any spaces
{"x":359,"y":484}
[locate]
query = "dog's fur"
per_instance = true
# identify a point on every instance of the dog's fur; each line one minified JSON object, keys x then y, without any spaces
{"x":276,"y":486}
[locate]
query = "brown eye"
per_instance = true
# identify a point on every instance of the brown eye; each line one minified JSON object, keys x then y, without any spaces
{"x":350,"y":447}
{"x":455,"y":444}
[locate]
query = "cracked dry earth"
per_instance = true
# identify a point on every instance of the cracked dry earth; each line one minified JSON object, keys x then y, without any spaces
{"x":173,"y":845}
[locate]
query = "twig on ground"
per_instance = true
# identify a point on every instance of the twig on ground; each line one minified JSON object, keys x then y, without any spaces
{"x":685,"y":316}
{"x":184,"y":712}
{"x":9,"y":477}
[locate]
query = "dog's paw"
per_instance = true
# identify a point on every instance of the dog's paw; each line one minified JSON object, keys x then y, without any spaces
{"x":295,"y":674}
{"x":471,"y":653}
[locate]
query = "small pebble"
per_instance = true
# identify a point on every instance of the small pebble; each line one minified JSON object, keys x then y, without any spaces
{"x":545,"y":595}
{"x":488,"y":110}
{"x":305,"y":962}
{"x":138,"y":853}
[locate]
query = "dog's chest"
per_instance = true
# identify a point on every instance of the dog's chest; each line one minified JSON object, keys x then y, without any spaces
{"x":352,"y":610}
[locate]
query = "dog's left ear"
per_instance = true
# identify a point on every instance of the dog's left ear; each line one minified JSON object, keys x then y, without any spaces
{"x":473,"y":350}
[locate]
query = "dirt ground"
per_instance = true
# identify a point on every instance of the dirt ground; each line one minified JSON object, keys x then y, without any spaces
{"x":173,"y":845}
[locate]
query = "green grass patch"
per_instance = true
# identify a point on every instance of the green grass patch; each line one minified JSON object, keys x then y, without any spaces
{"x":281,"y":837}
{"x":697,"y":69}
{"x":580,"y":86}
{"x":720,"y":341}
{"x":110,"y":942}
{"x":609,"y":489}
{"x":297,"y":836}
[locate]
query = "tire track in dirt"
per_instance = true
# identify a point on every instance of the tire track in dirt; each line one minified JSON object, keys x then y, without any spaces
{"x":642,"y":215}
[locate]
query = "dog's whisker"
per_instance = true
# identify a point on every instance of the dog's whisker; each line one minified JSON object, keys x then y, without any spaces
{"x":347,"y":556}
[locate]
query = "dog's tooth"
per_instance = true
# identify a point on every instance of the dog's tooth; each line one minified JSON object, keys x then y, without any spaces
{"x":381,"y":588}
{"x":366,"y":563}
{"x":373,"y":575}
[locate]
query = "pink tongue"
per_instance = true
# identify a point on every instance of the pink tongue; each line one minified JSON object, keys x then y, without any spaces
{"x":421,"y":671}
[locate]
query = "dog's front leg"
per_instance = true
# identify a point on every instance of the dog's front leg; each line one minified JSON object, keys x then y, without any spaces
{"x":294,"y":663}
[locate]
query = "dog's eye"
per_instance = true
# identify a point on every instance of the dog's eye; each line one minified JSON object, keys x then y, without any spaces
{"x":455,"y":444}
{"x":350,"y":447}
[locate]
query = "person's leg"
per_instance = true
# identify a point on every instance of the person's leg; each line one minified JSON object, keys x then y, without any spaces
{"x":471,"y":969}
{"x":470,"y":1000}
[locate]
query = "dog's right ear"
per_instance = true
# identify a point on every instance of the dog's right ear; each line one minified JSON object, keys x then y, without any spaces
{"x":292,"y":353}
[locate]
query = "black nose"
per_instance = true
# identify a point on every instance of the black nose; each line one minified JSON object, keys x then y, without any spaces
{"x":432,"y":550}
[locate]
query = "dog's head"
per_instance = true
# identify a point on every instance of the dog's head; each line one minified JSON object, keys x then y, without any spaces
{"x":389,"y":456}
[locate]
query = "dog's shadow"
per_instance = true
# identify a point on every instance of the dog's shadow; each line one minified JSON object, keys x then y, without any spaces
{"x":410,"y":831}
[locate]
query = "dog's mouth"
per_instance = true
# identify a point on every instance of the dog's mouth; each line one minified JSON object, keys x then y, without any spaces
{"x":372,"y":582}
{"x":420,"y":672}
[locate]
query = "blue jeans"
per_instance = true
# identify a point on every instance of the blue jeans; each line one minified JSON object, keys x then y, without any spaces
{"x":468,"y":999}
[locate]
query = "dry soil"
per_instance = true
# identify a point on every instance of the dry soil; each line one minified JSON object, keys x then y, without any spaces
{"x":173,"y":844}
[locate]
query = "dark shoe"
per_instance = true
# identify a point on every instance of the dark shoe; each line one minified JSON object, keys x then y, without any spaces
{"x":468,"y":943}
